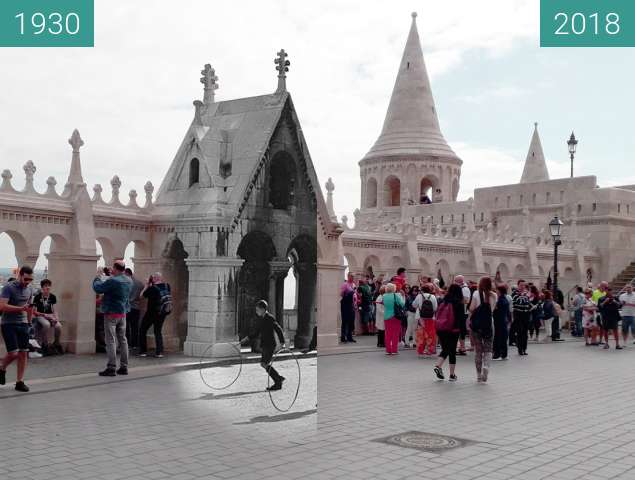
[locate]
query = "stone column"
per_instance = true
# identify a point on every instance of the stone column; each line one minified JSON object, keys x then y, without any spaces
{"x":72,"y":277}
{"x":212,"y":314}
{"x":329,"y":279}
{"x":306,"y":275}
{"x":278,"y":272}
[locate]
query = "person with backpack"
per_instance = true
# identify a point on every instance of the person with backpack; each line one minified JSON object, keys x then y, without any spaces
{"x":536,"y":314}
{"x":426,"y":304}
{"x":448,"y":328}
{"x":481,"y":326}
{"x":502,"y":319}
{"x":394,"y":312}
{"x":159,"y":297}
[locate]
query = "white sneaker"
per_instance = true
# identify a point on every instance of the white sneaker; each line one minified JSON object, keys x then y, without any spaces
{"x":35,"y":355}
{"x":34,"y":343}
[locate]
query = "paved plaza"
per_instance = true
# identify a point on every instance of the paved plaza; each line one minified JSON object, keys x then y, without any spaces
{"x":562,"y":412}
{"x":155,"y":427}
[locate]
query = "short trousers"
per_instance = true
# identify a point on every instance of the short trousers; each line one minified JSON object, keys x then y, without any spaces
{"x":16,"y":337}
{"x":609,"y":324}
{"x":628,"y":322}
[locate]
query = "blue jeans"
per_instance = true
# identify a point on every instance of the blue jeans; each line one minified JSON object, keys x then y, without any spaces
{"x":577,"y":315}
{"x":628,"y":323}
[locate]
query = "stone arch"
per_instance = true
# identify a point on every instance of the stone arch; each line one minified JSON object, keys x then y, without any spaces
{"x":303,"y":256}
{"x":107,"y":249}
{"x":194,"y":172}
{"x":443,"y":266}
{"x":463,"y":267}
{"x":519,"y":271}
{"x":51,"y":244}
{"x":568,"y":274}
{"x":371,"y":193}
{"x":282,"y":180}
{"x":427,"y":185}
{"x":176,"y":273}
{"x":487,"y":268}
{"x":20,"y":245}
{"x":350,"y":261}
{"x":392,"y":191}
{"x":396,"y":262}
{"x":503,"y":270}
{"x":372,"y":265}
{"x":257,"y":250}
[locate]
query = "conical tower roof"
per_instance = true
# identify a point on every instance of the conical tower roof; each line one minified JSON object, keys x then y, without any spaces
{"x":411,"y":126}
{"x":535,"y":165}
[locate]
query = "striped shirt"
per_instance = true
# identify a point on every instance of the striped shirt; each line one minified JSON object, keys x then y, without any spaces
{"x":521,"y":302}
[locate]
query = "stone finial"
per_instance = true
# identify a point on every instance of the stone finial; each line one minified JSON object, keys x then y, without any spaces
{"x":29,"y":171}
{"x":208,"y":80}
{"x":282,"y":65}
{"x":97,"y":189}
{"x":133,"y":198}
{"x":149,"y":189}
{"x":6,"y":180}
{"x":76,"y":141}
{"x":50,"y":186}
{"x":345,"y":222}
{"x":330,"y":187}
{"x":115,"y":183}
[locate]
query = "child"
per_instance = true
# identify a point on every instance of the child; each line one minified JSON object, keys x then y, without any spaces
{"x":266,"y":328}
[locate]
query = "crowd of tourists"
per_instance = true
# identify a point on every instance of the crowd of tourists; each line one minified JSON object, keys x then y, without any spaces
{"x":29,"y":319}
{"x":440,"y":320}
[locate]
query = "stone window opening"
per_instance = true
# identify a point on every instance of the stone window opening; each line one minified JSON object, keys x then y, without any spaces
{"x":561,"y":196}
{"x":425,"y":190}
{"x":595,"y":207}
{"x":282,"y":177}
{"x":619,"y":208}
{"x":548,"y":197}
{"x":628,"y":209}
{"x":509,"y":201}
{"x":371,"y":193}
{"x":533,"y":199}
{"x":392,"y":192}
{"x":496,"y":201}
{"x":194,"y":171}
{"x":482,"y":216}
{"x":579,"y":208}
{"x":521,"y":199}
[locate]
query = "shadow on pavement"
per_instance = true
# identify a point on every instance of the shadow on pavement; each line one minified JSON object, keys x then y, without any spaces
{"x":216,"y":396}
{"x":278,"y":418}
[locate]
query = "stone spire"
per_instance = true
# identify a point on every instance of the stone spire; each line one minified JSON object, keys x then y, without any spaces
{"x":330,"y":187}
{"x":282,"y":65}
{"x":411,"y":125}
{"x":535,"y":165}
{"x":75,"y":175}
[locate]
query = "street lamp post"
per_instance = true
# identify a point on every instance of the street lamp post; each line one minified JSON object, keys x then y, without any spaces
{"x":555,"y":226}
{"x":573,"y":143}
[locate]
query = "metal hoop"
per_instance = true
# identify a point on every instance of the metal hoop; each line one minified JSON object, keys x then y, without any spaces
{"x":297,"y":390}
{"x":240,"y":368}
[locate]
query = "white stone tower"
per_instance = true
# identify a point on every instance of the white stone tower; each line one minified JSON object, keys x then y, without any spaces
{"x":411,"y":157}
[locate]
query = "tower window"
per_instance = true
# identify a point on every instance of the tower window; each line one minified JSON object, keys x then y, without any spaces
{"x":194,"y":171}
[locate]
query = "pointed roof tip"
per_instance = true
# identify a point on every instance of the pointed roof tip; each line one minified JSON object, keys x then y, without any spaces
{"x":411,"y":125}
{"x":535,"y":169}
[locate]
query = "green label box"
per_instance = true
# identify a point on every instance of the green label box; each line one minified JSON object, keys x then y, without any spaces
{"x":587,"y":23}
{"x":47,"y":23}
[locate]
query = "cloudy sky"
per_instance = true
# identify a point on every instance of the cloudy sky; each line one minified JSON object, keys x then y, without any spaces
{"x":131,"y":96}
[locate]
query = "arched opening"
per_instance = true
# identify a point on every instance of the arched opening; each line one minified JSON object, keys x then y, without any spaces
{"x":194,"y":172}
{"x":502,"y":273}
{"x":392,"y":192}
{"x":282,"y":178}
{"x":8,"y":258}
{"x":519,"y":272}
{"x":426,"y":271}
{"x":129,"y":254}
{"x":257,"y":250}
{"x":175,"y":272}
{"x":426,"y":187}
{"x":371,"y":193}
{"x":351,"y":264}
{"x":443,"y":272}
{"x":303,"y":256}
{"x":371,"y":266}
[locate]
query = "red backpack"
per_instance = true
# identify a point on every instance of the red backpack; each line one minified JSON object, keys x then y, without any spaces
{"x":444,"y":321}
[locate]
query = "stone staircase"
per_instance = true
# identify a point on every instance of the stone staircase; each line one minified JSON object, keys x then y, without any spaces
{"x":626,"y":276}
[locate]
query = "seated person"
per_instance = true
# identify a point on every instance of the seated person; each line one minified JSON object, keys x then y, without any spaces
{"x":45,"y":319}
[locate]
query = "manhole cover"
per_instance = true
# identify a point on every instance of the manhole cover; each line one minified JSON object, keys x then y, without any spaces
{"x":429,"y":442}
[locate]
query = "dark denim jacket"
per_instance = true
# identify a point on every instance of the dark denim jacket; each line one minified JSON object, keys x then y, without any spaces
{"x":116,"y":290}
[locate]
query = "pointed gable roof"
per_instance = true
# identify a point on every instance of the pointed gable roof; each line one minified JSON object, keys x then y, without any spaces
{"x":411,"y":125}
{"x":535,"y":165}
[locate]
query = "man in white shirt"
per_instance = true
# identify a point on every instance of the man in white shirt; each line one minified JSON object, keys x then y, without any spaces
{"x":627,"y":299}
{"x":460,"y":281}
